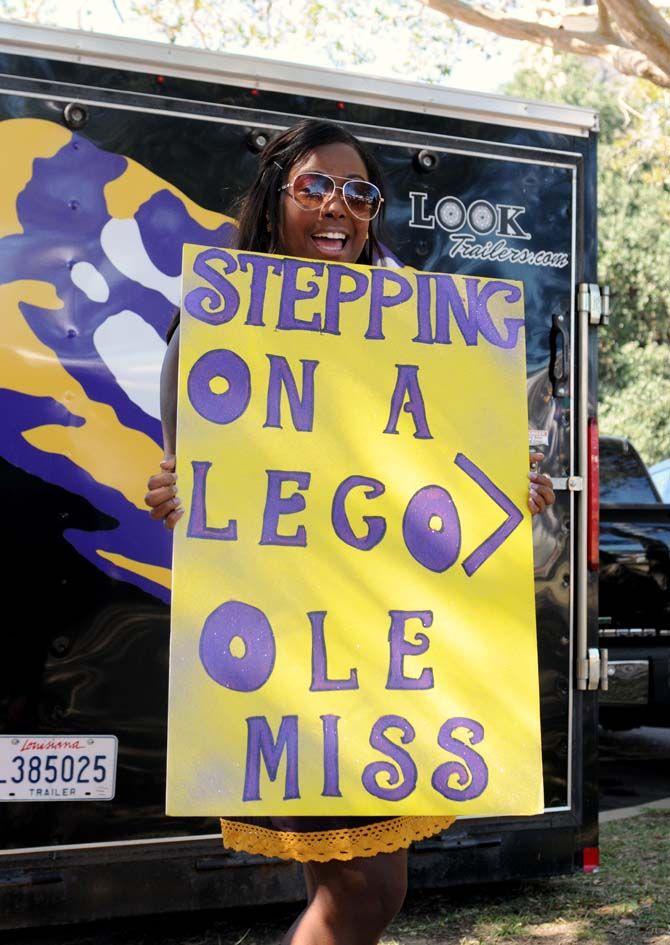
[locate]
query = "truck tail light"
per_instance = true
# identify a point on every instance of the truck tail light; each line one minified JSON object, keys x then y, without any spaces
{"x":593,"y":496}
{"x":591,"y":859}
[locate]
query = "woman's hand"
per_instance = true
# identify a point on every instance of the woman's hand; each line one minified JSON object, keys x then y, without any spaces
{"x":540,"y":493}
{"x":162,"y":496}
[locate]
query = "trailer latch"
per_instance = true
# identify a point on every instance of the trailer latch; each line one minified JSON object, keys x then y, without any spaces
{"x":567,"y":483}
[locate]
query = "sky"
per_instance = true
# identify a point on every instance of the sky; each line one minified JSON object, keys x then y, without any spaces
{"x":472,"y":70}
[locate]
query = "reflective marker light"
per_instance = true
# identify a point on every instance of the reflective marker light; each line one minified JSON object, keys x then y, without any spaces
{"x":591,"y":859}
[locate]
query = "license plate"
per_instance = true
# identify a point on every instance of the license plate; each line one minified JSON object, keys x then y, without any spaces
{"x":57,"y":767}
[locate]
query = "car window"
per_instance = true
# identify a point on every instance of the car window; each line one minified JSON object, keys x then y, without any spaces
{"x":623,"y":477}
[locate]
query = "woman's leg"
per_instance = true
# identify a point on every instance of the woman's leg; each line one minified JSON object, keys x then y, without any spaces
{"x":310,"y":881}
{"x":310,"y":886}
{"x":353,"y":901}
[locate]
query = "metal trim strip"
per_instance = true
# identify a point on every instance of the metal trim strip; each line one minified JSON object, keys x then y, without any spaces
{"x":195,"y":838}
{"x":265,"y":118}
{"x":279,"y":76}
{"x":234,"y":121}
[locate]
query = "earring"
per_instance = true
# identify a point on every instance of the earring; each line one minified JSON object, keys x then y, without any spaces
{"x":268,"y":227}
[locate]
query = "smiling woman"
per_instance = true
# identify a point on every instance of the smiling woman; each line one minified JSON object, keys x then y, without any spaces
{"x":317,"y":195}
{"x":351,"y":205}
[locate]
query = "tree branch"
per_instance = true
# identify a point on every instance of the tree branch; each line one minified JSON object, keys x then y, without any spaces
{"x":619,"y":54}
{"x":604,"y":21}
{"x":642,"y":27}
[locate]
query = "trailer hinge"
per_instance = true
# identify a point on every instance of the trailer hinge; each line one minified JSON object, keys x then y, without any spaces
{"x":592,"y":671}
{"x":593,"y":301}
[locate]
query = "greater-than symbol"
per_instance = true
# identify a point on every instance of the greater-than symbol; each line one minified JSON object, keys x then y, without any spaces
{"x":514,"y":515}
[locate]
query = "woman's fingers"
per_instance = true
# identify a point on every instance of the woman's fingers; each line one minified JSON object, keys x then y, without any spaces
{"x":161,"y":479}
{"x":165,"y":508}
{"x":542,"y":484}
{"x":547,"y":493}
{"x":162,"y":496}
{"x":171,"y":520}
{"x":541,"y":493}
{"x":155,"y":497}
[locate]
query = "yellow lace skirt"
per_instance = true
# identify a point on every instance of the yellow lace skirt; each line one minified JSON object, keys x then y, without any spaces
{"x":331,"y":838}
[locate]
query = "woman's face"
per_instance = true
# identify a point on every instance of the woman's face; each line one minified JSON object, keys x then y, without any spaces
{"x":331,"y":232}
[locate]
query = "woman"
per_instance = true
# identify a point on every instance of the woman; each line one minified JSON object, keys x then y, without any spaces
{"x":318,"y":195}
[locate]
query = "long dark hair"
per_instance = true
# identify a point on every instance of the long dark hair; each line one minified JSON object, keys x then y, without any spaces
{"x":259,"y":210}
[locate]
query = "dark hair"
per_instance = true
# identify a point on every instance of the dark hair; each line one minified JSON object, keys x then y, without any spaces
{"x":261,"y":204}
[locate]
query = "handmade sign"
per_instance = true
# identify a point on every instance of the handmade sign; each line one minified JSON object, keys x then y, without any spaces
{"x":353,"y":618}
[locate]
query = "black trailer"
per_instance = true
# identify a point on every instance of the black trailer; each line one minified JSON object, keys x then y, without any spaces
{"x":114,"y":153}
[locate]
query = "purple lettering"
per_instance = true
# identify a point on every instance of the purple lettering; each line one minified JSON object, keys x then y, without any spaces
{"x":431,"y":528}
{"x":229,"y":404}
{"x":400,"y":648}
{"x":336,"y":295}
{"x":197,"y":522}
{"x":478,"y":300}
{"x":376,"y":525}
{"x":276,"y":505}
{"x":402,"y":759}
{"x":302,"y":408}
{"x":320,"y":681}
{"x":472,"y":776}
{"x":514,"y":515}
{"x":260,"y":267}
{"x":407,"y":383}
{"x":251,"y":629}
{"x":261,"y":744}
{"x":290,"y":294}
{"x":379,"y":300}
{"x":448,"y":301}
{"x":222,"y":293}
{"x":448,"y":304}
{"x":331,"y":756}
{"x":423,"y":309}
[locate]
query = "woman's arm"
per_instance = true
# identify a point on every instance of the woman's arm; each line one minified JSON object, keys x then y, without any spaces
{"x":162,"y":496}
{"x":169,"y":375}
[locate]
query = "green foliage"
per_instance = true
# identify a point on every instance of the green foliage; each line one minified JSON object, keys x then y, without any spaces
{"x":640,"y":408}
{"x":633,"y":239}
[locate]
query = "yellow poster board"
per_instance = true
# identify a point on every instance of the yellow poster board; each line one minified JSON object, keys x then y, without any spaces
{"x":353,"y":619}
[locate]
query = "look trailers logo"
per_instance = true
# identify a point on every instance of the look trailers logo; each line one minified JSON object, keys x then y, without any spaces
{"x":500,"y":222}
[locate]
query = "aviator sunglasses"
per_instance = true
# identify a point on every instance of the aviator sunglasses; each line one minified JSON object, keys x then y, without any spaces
{"x":311,"y":189}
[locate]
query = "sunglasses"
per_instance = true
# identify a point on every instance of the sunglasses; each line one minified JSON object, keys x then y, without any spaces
{"x":311,"y":189}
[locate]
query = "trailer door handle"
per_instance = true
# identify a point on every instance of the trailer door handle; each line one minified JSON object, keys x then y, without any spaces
{"x":559,"y":370}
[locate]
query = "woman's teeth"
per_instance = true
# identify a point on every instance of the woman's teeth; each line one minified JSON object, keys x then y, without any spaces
{"x":331,"y":241}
